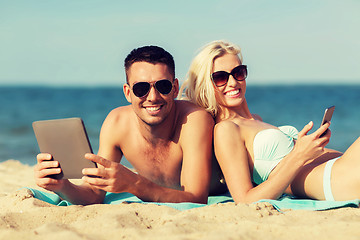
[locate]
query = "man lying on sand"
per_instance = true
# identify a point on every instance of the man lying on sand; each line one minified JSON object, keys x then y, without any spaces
{"x":167,"y":141}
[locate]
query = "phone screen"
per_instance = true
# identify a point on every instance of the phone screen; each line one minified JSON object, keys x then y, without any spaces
{"x":327,"y":117}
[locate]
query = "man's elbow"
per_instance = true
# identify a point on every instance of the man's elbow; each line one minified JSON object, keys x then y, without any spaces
{"x":203,"y":199}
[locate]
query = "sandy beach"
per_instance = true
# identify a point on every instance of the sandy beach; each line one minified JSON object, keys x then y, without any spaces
{"x":24,"y":217}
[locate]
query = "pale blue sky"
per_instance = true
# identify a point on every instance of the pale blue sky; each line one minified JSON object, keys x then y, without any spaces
{"x":84,"y":42}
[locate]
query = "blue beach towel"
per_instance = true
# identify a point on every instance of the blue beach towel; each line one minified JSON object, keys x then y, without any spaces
{"x":285,"y":202}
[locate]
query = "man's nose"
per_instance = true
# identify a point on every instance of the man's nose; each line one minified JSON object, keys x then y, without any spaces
{"x":153,"y":93}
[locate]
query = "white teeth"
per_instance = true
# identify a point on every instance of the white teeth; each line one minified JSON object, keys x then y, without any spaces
{"x":232,"y":93}
{"x":153,"y":108}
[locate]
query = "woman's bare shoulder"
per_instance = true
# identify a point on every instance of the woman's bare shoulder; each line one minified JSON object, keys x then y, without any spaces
{"x":226,"y":128}
{"x":257,"y":117}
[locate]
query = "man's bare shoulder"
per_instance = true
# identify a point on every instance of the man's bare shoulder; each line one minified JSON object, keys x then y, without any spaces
{"x":189,"y":111}
{"x":194,"y":123}
{"x":118,"y":118}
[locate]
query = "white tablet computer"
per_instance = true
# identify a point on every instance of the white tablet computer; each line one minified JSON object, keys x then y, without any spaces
{"x":67,"y":141}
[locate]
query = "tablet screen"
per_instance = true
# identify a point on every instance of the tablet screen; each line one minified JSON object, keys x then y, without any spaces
{"x":67,"y":141}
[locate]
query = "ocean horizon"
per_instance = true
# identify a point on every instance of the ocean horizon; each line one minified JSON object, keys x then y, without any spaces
{"x":294,"y":105}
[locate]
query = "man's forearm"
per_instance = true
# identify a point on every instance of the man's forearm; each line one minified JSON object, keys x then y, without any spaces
{"x":152,"y":192}
{"x":80,"y":194}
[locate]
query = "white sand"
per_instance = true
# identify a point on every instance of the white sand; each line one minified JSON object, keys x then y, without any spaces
{"x":23,"y":217}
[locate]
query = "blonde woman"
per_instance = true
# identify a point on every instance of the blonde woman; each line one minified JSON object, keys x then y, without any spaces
{"x":258,"y":160}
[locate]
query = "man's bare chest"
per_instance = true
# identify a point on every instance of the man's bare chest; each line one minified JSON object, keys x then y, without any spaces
{"x":161,"y":163}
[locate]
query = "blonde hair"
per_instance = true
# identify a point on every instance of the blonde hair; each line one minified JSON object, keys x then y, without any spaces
{"x":198,"y":86}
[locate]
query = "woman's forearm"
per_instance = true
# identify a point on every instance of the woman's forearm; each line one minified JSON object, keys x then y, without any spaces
{"x":279,"y":180}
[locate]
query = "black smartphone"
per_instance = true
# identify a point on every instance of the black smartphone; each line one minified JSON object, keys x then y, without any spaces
{"x":327,"y":117}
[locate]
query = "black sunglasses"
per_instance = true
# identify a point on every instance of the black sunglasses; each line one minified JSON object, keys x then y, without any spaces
{"x":221,"y":78}
{"x":141,"y":89}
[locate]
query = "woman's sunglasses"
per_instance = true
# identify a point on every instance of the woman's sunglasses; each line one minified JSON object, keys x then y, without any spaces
{"x":141,"y":89}
{"x":221,"y":78}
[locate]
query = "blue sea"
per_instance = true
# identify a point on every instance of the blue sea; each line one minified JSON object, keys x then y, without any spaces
{"x":279,"y":105}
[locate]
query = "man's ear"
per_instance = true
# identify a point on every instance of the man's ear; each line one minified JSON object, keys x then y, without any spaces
{"x":127,"y":90}
{"x":176,"y":87}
